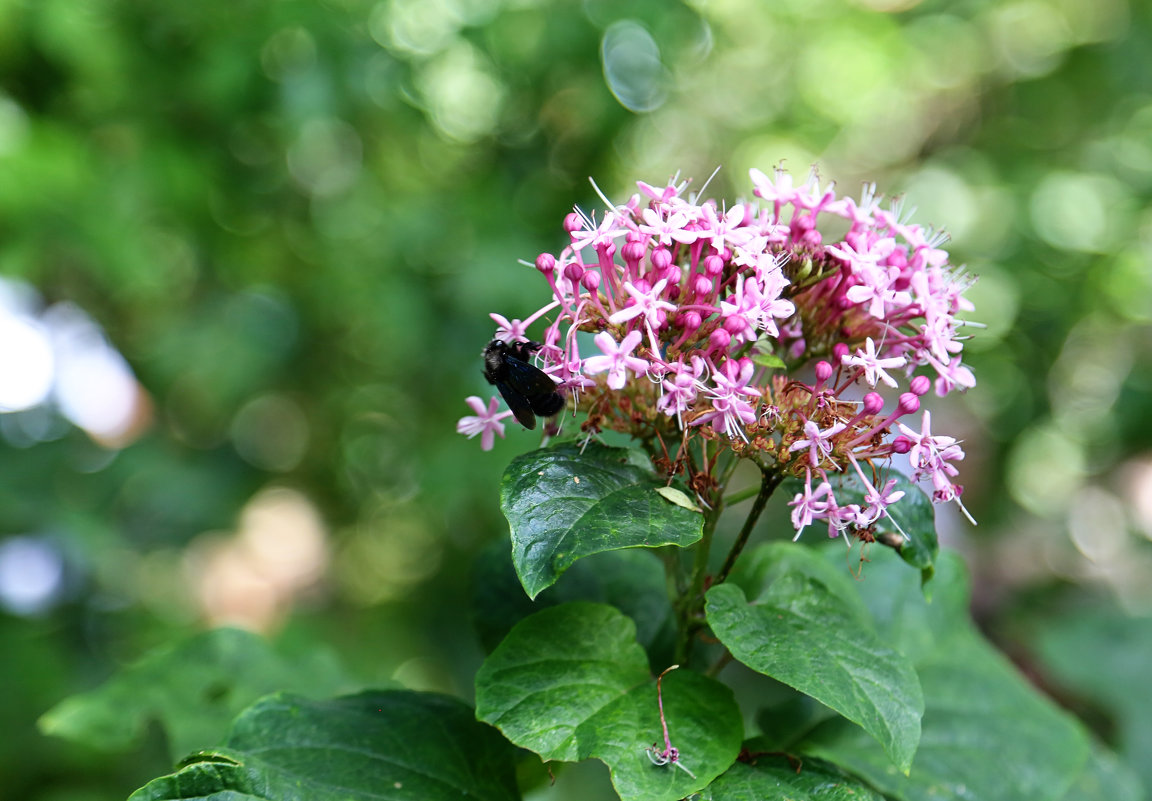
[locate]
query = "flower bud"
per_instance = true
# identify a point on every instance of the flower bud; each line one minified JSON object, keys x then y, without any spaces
{"x":839,"y":351}
{"x":689,"y":320}
{"x":735,"y":324}
{"x":591,"y":280}
{"x":873,"y":403}
{"x":572,"y":222}
{"x":633,"y":252}
{"x":546,"y":263}
{"x":701,"y":285}
{"x":574,"y":271}
{"x":901,"y":444}
{"x":661,"y":258}
{"x":823,"y":371}
{"x":719,"y":339}
{"x":921,"y":384}
{"x":909,"y":403}
{"x":713,"y":265}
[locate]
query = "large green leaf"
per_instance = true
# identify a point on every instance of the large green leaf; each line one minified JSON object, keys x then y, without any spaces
{"x":987,"y":733}
{"x":777,"y":779}
{"x":567,"y":502}
{"x":193,"y":688}
{"x":378,"y":746}
{"x":1105,"y":777}
{"x":632,"y":580}
{"x":570,"y":682}
{"x":800,"y":632}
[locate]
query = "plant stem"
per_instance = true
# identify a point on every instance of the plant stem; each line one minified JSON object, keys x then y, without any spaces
{"x":689,"y":605}
{"x":769,"y":481}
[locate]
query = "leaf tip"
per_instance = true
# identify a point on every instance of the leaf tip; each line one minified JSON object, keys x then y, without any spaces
{"x":678,"y":497}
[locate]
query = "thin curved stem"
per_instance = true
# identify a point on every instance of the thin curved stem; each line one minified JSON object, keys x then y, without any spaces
{"x":769,"y":481}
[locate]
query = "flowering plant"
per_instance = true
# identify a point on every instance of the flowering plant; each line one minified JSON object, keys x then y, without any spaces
{"x":704,"y":317}
{"x":710,"y":337}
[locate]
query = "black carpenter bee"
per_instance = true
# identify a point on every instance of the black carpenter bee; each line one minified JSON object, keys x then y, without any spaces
{"x":526,"y":389}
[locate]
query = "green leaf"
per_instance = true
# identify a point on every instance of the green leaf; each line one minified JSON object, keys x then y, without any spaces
{"x":563,"y":505}
{"x":377,"y":746}
{"x":770,"y":360}
{"x":678,"y":497}
{"x":570,"y":683}
{"x":193,"y":688}
{"x":801,"y":633}
{"x":1071,"y":646}
{"x":1105,"y":776}
{"x":777,"y":779}
{"x":631,"y":580}
{"x":987,"y":733}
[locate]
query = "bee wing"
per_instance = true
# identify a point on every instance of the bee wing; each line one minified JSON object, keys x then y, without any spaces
{"x":527,"y":379}
{"x":547,"y":405}
{"x":518,"y":403}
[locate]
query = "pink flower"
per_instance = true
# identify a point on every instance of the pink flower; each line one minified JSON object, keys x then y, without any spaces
{"x":872,"y":365}
{"x":486,"y":423}
{"x":730,"y":412}
{"x":647,"y":303}
{"x":807,"y":506}
{"x":616,"y":359}
{"x":819,"y":443}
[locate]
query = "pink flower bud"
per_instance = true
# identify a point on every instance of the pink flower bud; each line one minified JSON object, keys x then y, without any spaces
{"x":546,"y":263}
{"x":661,"y":258}
{"x":572,"y":222}
{"x":873,"y":403}
{"x":719,"y":339}
{"x":633,"y":252}
{"x":591,"y":280}
{"x":921,"y":384}
{"x":574,"y":271}
{"x":713,"y":265}
{"x":901,"y":444}
{"x":839,"y":351}
{"x":823,"y":371}
{"x":701,"y":285}
{"x":689,"y":320}
{"x":908,"y":404}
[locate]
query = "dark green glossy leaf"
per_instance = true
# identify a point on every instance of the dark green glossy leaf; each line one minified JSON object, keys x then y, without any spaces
{"x":378,"y":746}
{"x":564,"y":504}
{"x":777,"y":779}
{"x":570,"y":682}
{"x":801,"y":633}
{"x":987,"y":733}
{"x":193,"y":688}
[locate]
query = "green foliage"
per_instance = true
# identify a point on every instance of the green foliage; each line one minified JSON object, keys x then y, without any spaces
{"x":316,"y":204}
{"x":398,"y":745}
{"x":1073,"y":647}
{"x":985,"y":731}
{"x":567,"y":502}
{"x":571,"y":683}
{"x":193,"y":689}
{"x":803,"y":634}
{"x":777,"y":779}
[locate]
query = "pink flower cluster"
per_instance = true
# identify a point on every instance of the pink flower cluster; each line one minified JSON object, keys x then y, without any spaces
{"x":744,"y":325}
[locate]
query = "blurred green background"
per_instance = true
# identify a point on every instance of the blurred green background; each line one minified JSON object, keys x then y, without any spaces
{"x":293,"y":218}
